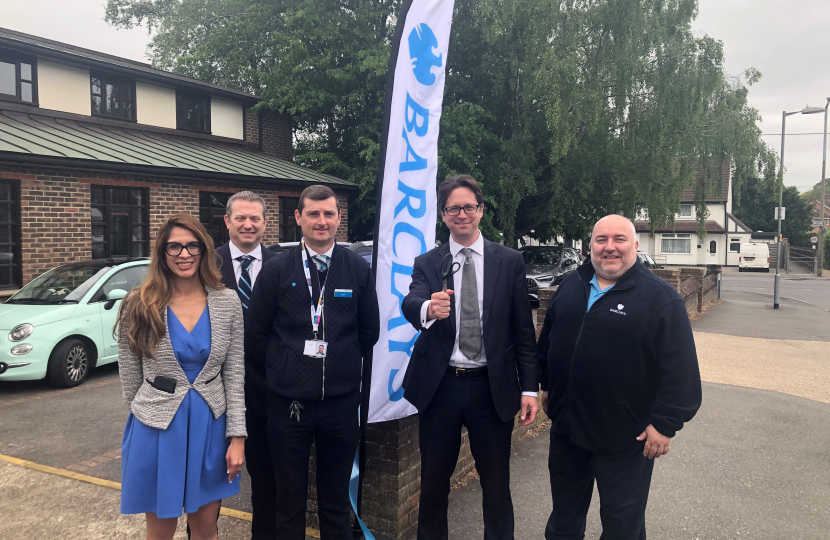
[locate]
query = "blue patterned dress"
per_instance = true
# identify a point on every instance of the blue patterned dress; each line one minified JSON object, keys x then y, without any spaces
{"x":183,"y":466}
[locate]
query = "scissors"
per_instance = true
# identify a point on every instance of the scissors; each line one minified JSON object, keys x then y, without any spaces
{"x":448,"y":268}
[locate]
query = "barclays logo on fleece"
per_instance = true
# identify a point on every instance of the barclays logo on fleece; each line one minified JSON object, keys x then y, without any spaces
{"x":415,"y":171}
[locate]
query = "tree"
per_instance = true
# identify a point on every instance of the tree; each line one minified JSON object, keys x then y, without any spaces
{"x":815,"y":193}
{"x":564,"y":110}
{"x":757,"y":211}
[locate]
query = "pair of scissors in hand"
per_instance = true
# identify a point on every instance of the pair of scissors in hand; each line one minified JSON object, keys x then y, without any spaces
{"x":448,"y":268}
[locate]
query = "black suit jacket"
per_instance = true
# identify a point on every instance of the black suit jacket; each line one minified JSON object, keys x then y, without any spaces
{"x":255,"y":393}
{"x":509,"y":335}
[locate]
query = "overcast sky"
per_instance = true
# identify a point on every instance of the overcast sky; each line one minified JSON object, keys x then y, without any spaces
{"x":786,"y":40}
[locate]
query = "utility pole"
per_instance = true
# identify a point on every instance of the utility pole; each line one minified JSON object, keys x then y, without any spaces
{"x":820,"y":265}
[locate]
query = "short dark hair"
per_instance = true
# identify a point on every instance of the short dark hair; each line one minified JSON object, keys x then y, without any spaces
{"x":317,"y":193}
{"x":454,"y":182}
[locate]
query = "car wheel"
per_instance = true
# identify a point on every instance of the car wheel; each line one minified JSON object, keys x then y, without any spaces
{"x":69,"y":364}
{"x":740,"y":269}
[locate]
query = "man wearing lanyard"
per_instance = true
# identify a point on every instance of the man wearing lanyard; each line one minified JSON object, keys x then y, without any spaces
{"x":313,"y":317}
{"x":241,"y":260}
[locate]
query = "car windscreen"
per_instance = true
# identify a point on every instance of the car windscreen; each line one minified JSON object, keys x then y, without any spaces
{"x":60,"y":285}
{"x":548,"y":256}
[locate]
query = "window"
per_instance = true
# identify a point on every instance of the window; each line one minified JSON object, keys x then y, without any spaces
{"x":120,"y":221}
{"x":289,"y":230}
{"x":685,"y":210}
{"x":192,"y":112}
{"x":735,"y":245}
{"x":212,"y":215}
{"x":112,"y":97}
{"x":10,"y":277}
{"x":125,"y":279}
{"x":713,"y":247}
{"x":676,"y":243}
{"x":18,"y":77}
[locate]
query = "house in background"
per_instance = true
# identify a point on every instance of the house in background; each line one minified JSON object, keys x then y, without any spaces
{"x":815,"y":214}
{"x":680,"y":245}
{"x":97,"y":151}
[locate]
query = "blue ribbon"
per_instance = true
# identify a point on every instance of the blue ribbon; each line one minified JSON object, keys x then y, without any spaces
{"x":353,"y":483}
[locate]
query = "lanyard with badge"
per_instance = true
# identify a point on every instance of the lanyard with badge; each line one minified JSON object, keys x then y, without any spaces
{"x":314,"y":348}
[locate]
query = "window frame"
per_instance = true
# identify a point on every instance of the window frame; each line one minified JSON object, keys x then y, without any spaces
{"x":212,"y":212}
{"x":734,"y":241}
{"x":682,"y":215}
{"x":676,"y":236}
{"x":96,"y":298}
{"x":713,"y":246}
{"x":122,"y":82}
{"x":15,"y":237}
{"x":109,"y":209}
{"x":190,"y":97}
{"x":285,"y":216}
{"x":12,"y":57}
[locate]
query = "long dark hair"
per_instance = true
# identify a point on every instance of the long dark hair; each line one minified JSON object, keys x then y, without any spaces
{"x":142,"y":311}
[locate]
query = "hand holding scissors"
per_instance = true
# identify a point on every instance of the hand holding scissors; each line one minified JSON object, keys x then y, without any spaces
{"x":439,"y":305}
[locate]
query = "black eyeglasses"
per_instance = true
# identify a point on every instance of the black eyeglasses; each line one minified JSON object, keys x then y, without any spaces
{"x":468,"y":209}
{"x":174,"y":248}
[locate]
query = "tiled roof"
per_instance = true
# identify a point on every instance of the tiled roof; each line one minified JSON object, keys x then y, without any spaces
{"x":712,"y":172}
{"x":29,"y":137}
{"x":56,"y":49}
{"x":679,"y":226}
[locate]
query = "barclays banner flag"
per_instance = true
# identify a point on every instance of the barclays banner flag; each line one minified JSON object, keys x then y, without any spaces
{"x":406,"y":218}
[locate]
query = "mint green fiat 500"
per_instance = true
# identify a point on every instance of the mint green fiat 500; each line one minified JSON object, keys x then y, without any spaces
{"x":59,"y":326}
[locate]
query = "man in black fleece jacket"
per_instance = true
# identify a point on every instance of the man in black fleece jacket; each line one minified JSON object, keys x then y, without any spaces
{"x":619,"y":378}
{"x":313,"y":374}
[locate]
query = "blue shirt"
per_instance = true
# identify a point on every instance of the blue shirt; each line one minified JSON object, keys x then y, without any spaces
{"x":596,"y":293}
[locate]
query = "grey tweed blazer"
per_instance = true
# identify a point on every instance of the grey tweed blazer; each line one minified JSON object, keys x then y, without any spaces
{"x":221,"y":382}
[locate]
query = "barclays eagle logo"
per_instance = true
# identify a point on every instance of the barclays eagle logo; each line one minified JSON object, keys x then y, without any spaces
{"x":422,"y":42}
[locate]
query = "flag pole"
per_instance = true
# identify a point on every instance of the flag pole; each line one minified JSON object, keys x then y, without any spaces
{"x":366,"y":384}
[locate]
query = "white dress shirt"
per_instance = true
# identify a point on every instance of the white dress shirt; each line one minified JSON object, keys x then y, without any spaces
{"x":256,"y":264}
{"x":458,"y":358}
{"x":327,"y":253}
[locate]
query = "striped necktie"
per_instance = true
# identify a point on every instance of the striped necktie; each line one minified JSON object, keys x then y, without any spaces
{"x":244,"y":286}
{"x":322,"y":262}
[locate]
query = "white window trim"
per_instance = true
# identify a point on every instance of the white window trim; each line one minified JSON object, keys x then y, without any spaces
{"x":676,"y":236}
{"x":682,"y":215}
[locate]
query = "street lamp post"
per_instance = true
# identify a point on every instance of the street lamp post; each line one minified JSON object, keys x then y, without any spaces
{"x":784,"y":115}
{"x":820,"y":265}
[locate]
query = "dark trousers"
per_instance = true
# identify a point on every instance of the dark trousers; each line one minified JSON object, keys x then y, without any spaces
{"x":263,"y":486}
{"x":464,"y":401}
{"x":623,"y":480}
{"x":332,"y":424}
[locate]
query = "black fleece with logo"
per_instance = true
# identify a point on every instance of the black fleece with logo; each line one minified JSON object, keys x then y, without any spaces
{"x":628,"y":362}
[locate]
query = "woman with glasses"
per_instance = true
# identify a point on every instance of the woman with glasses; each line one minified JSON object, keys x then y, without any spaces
{"x":180,"y":356}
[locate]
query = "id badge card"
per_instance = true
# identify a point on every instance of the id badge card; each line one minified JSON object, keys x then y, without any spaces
{"x":315,"y":348}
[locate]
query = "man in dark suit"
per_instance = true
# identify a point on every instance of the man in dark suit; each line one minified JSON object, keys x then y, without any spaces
{"x":474,"y":363}
{"x":242,"y":260}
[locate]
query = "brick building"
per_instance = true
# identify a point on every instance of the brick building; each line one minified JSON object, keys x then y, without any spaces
{"x":96,"y":151}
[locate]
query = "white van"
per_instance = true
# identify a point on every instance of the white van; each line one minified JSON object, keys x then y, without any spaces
{"x":754,"y":256}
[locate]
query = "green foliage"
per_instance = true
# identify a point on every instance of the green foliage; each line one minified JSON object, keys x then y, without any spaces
{"x":564,"y":110}
{"x":827,"y":250}
{"x":814,"y":194}
{"x":757,"y":211}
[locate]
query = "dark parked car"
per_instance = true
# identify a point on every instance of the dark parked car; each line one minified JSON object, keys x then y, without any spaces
{"x":646,"y":259}
{"x":547,"y":266}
